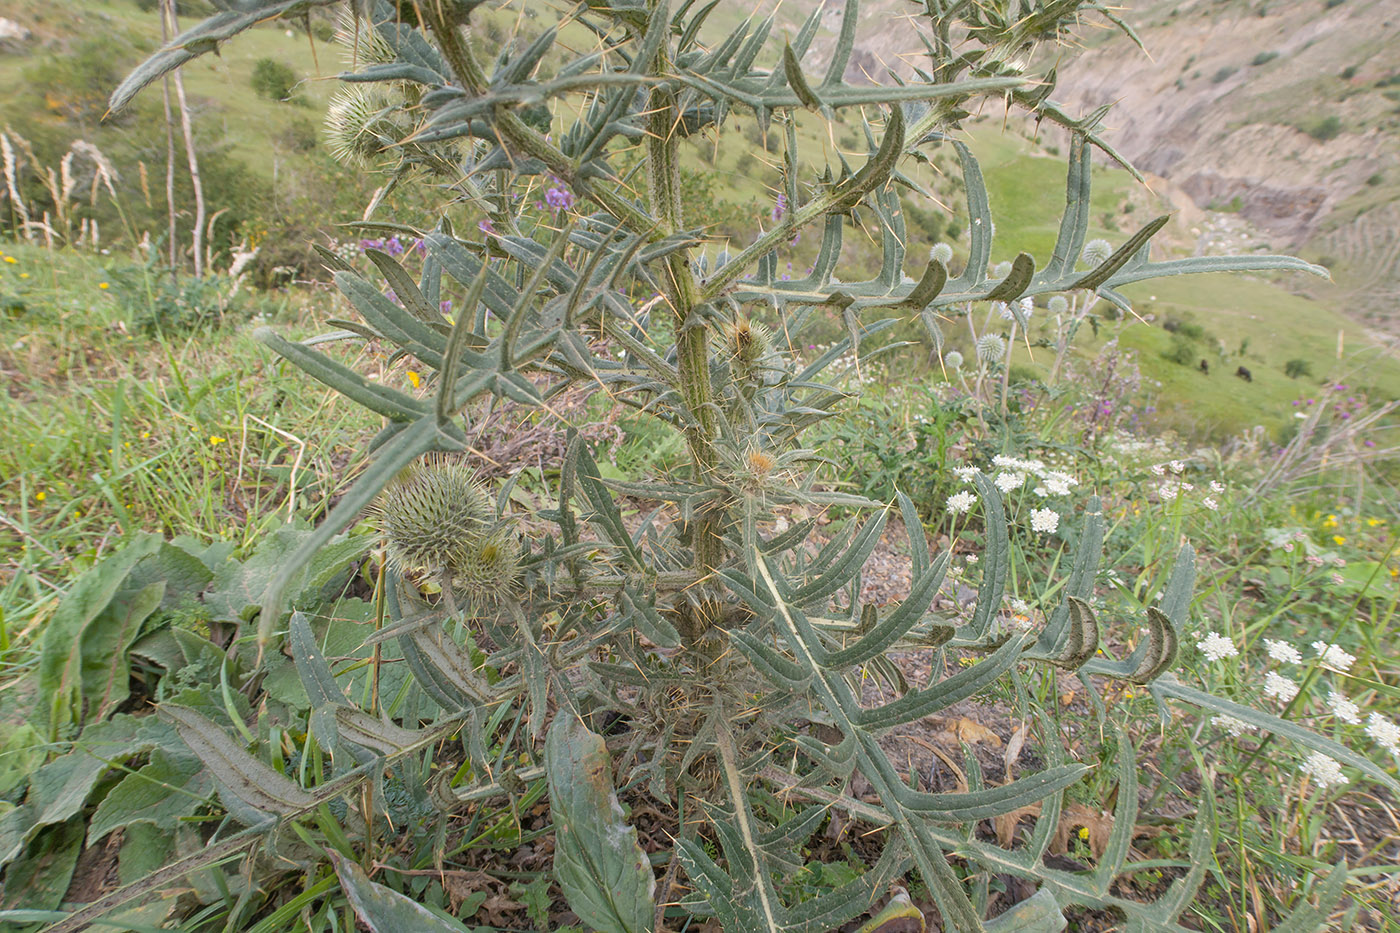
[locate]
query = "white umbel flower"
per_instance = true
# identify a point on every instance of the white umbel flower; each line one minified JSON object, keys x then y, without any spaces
{"x":1279,"y":687}
{"x":991,"y":348}
{"x":1333,"y":656}
{"x":965,"y":473}
{"x":1385,"y":733}
{"x":1010,"y":482}
{"x":1324,"y":770}
{"x":1217,"y":647}
{"x":1343,"y":708}
{"x":1236,"y":727}
{"x":1045,"y":520}
{"x":1283,"y":651}
{"x":960,"y":502}
{"x":1003,"y":309}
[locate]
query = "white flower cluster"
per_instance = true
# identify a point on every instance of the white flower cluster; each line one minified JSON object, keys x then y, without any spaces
{"x":1333,"y":656}
{"x":1012,"y":474}
{"x":1236,"y":727}
{"x":1278,"y":687}
{"x":1324,"y":770}
{"x":1217,"y":647}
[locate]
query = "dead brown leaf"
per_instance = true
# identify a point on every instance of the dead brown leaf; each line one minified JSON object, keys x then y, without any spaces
{"x":1076,"y":816}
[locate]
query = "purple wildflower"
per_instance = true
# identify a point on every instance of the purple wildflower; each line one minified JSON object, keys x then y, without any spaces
{"x":559,"y":198}
{"x":394,"y":246}
{"x":445,"y":306}
{"x":779,"y":207}
{"x":486,"y":227}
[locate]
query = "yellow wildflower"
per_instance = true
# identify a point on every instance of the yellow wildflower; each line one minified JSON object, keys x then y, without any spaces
{"x":24,"y":275}
{"x":1331,"y":522}
{"x":40,"y":496}
{"x":1084,"y":833}
{"x":103,"y":285}
{"x":1339,"y":539}
{"x":413,"y":378}
{"x":215,"y":440}
{"x":1372,"y":522}
{"x":11,"y":259}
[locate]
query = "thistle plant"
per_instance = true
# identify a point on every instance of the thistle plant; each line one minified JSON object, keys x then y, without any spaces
{"x":729,"y":642}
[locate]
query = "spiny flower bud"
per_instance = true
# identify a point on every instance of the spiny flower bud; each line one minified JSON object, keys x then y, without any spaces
{"x":490,"y":567}
{"x":358,"y":126}
{"x":747,"y":342}
{"x":990,"y":348}
{"x":1096,"y":252}
{"x":953,"y":360}
{"x":1058,"y":305}
{"x":941,"y":252}
{"x":433,"y":516}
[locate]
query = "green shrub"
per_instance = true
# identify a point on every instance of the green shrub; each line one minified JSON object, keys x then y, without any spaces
{"x":273,"y":80}
{"x":1263,"y":58}
{"x":1182,"y":352}
{"x":1348,"y":72}
{"x":1297,"y":368}
{"x":1329,"y":127}
{"x":1222,"y":74}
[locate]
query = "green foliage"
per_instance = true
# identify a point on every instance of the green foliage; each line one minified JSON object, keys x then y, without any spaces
{"x":273,"y":79}
{"x":1263,"y":58}
{"x":722,"y":629}
{"x":1223,"y":74}
{"x":1297,"y":368}
{"x":1327,"y":128}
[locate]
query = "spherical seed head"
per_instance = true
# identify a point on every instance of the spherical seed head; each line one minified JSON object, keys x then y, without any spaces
{"x":1096,"y":252}
{"x":1001,"y":270}
{"x":991,"y":348}
{"x":432,"y":515}
{"x":1058,"y":305}
{"x":489,"y":571}
{"x":941,"y":252}
{"x":953,"y":360}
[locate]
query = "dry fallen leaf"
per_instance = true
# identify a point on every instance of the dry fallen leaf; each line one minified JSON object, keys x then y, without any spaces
{"x":974,"y":733}
{"x":1076,"y":815}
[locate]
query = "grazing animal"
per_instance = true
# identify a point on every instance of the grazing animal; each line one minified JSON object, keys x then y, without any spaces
{"x":1205,"y":367}
{"x":1244,"y":374}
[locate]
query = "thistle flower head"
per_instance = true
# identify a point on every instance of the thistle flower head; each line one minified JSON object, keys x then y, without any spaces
{"x":1058,"y":304}
{"x":747,"y":342}
{"x":433,"y":516}
{"x":490,"y":567}
{"x":359,"y":125}
{"x":953,"y":360}
{"x":1001,"y":270}
{"x":941,"y":252}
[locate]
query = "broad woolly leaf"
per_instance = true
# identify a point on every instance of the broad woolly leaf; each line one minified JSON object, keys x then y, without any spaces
{"x":605,"y":874}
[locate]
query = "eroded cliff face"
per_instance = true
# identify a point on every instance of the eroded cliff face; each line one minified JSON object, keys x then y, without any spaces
{"x":1284,"y":111}
{"x":1235,"y":99}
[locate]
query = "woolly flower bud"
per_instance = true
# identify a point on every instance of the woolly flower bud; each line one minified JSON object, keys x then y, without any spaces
{"x":941,"y":252}
{"x":953,"y":360}
{"x":990,"y":348}
{"x":1058,"y":305}
{"x":1096,"y":252}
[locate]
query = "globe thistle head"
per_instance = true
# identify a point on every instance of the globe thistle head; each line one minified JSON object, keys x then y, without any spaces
{"x":1027,"y":306}
{"x":991,"y":348}
{"x":1001,"y":270}
{"x":432,"y":515}
{"x":489,"y":568}
{"x":941,"y":252}
{"x":953,"y":360}
{"x":1096,"y":252}
{"x":1058,"y":305}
